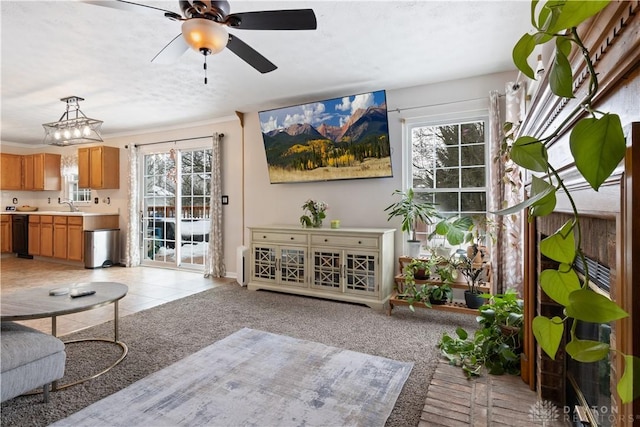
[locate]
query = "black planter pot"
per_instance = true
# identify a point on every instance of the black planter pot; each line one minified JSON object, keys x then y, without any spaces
{"x":473,"y":300}
{"x":438,"y":301}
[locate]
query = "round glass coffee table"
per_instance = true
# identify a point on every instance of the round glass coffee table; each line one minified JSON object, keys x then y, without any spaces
{"x":37,"y":303}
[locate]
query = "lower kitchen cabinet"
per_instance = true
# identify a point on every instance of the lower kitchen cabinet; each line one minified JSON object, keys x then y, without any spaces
{"x":75,"y":238}
{"x":34,"y":234}
{"x":5,"y":233}
{"x":46,"y":235}
{"x":350,"y":264}
{"x":60,"y":237}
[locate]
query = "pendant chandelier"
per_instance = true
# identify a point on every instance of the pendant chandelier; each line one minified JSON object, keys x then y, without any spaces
{"x":73,"y":127}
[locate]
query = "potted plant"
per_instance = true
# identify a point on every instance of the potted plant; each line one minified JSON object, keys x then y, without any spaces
{"x":472,"y":268}
{"x":505,"y":311}
{"x":412,"y":212}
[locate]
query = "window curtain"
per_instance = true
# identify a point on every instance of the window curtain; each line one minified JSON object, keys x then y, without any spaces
{"x":506,"y":190}
{"x":214,"y":261}
{"x":132,"y":248}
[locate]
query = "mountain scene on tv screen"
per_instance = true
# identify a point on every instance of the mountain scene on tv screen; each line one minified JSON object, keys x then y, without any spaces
{"x":342,"y":138}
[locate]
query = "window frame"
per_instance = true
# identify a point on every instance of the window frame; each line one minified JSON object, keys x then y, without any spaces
{"x":407,"y":163}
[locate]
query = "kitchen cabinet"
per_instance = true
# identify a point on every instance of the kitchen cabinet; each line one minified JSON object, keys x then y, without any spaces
{"x":34,"y":234}
{"x":10,"y":171}
{"x":75,"y":238}
{"x":60,"y":237}
{"x":46,"y":235}
{"x":99,"y":167}
{"x":5,"y":233}
{"x":350,"y":264}
{"x":41,"y":171}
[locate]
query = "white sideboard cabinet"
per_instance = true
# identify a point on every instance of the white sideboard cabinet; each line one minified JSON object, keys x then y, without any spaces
{"x":346,"y":264}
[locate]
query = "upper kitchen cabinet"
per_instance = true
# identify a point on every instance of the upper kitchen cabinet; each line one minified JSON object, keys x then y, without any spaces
{"x":10,"y":172}
{"x":99,"y":167}
{"x":41,"y":172}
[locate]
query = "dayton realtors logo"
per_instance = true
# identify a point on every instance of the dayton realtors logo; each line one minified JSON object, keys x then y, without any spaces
{"x":543,"y":411}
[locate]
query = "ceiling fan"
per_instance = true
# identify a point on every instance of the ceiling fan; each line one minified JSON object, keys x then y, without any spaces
{"x":205,"y":23}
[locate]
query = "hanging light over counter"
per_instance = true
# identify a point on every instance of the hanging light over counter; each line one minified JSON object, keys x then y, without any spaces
{"x":73,"y":127}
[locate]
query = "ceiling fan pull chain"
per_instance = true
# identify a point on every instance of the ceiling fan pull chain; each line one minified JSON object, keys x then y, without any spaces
{"x":205,"y":69}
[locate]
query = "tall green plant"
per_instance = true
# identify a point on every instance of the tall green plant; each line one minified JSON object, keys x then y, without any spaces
{"x":411,"y":211}
{"x":597,"y":145}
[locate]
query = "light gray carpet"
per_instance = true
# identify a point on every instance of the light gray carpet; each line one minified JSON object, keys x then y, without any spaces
{"x":257,"y":378}
{"x":165,"y":334}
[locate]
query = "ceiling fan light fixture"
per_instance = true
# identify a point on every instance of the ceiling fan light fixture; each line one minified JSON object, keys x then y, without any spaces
{"x":73,"y":127}
{"x":201,"y":33}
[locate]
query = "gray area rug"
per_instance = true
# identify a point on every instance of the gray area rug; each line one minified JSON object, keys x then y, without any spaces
{"x":168,"y":333}
{"x":257,"y":378}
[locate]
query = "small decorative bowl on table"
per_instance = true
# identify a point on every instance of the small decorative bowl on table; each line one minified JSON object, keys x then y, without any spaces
{"x":26,"y":208}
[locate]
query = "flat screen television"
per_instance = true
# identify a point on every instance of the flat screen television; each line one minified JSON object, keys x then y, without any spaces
{"x":340,"y":138}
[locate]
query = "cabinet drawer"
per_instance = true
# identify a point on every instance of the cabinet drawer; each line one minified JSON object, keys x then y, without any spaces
{"x":46,"y":219}
{"x":60,"y":220}
{"x":74,"y":220}
{"x":350,"y":241}
{"x":34,"y":219}
{"x":259,"y":236}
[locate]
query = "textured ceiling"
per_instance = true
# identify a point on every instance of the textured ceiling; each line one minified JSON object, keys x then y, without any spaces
{"x":54,"y":49}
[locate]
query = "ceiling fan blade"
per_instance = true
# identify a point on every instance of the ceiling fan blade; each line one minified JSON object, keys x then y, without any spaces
{"x":250,"y":55}
{"x":172,"y":51}
{"x":295,"y":19}
{"x":124,"y":5}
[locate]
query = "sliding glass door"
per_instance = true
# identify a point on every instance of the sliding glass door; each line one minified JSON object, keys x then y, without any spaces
{"x":175,"y":215}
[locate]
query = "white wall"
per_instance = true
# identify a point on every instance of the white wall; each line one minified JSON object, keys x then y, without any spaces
{"x":358,"y":203}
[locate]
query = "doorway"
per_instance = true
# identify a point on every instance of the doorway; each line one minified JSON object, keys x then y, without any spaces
{"x":176,"y":195}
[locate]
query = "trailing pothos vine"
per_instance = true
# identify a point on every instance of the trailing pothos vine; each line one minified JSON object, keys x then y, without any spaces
{"x":597,"y":145}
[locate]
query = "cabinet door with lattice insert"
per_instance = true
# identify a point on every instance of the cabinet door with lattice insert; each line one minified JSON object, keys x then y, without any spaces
{"x":361,"y":273}
{"x":327,"y":269}
{"x":292,"y":266}
{"x":264,"y":259}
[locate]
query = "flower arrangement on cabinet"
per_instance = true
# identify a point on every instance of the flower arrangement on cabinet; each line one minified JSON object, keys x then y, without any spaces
{"x":314,"y":213}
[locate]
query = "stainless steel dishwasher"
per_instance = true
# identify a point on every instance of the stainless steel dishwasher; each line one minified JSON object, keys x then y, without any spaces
{"x":20,"y":235}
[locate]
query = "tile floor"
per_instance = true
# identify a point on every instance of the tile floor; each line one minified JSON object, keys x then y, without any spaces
{"x":148,"y":287}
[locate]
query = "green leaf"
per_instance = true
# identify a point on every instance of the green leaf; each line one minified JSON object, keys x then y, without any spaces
{"x":547,"y":204}
{"x":534,"y":198}
{"x":560,"y":246}
{"x":548,"y":14}
{"x":462,"y":334}
{"x":589,"y":306}
{"x":558,"y":284}
{"x":548,"y":333}
{"x":575,"y":12}
{"x":521,"y":52}
{"x":597,"y":146}
{"x":530,"y":153}
{"x":561,"y":76}
{"x":587,"y":351}
{"x":629,"y":384}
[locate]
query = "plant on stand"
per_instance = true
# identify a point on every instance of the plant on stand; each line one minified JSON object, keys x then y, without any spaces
{"x":474,"y":269}
{"x":316,"y":213}
{"x":412,"y":212}
{"x":597,"y":145}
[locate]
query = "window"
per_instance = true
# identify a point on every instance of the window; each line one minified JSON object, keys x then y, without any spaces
{"x":69,"y":172}
{"x":75,"y":193}
{"x":447,"y":165}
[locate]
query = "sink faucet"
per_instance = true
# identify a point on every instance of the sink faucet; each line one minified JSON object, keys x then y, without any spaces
{"x":72,"y":207}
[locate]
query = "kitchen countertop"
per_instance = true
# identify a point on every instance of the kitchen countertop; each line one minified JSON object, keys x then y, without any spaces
{"x":64,"y":213}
